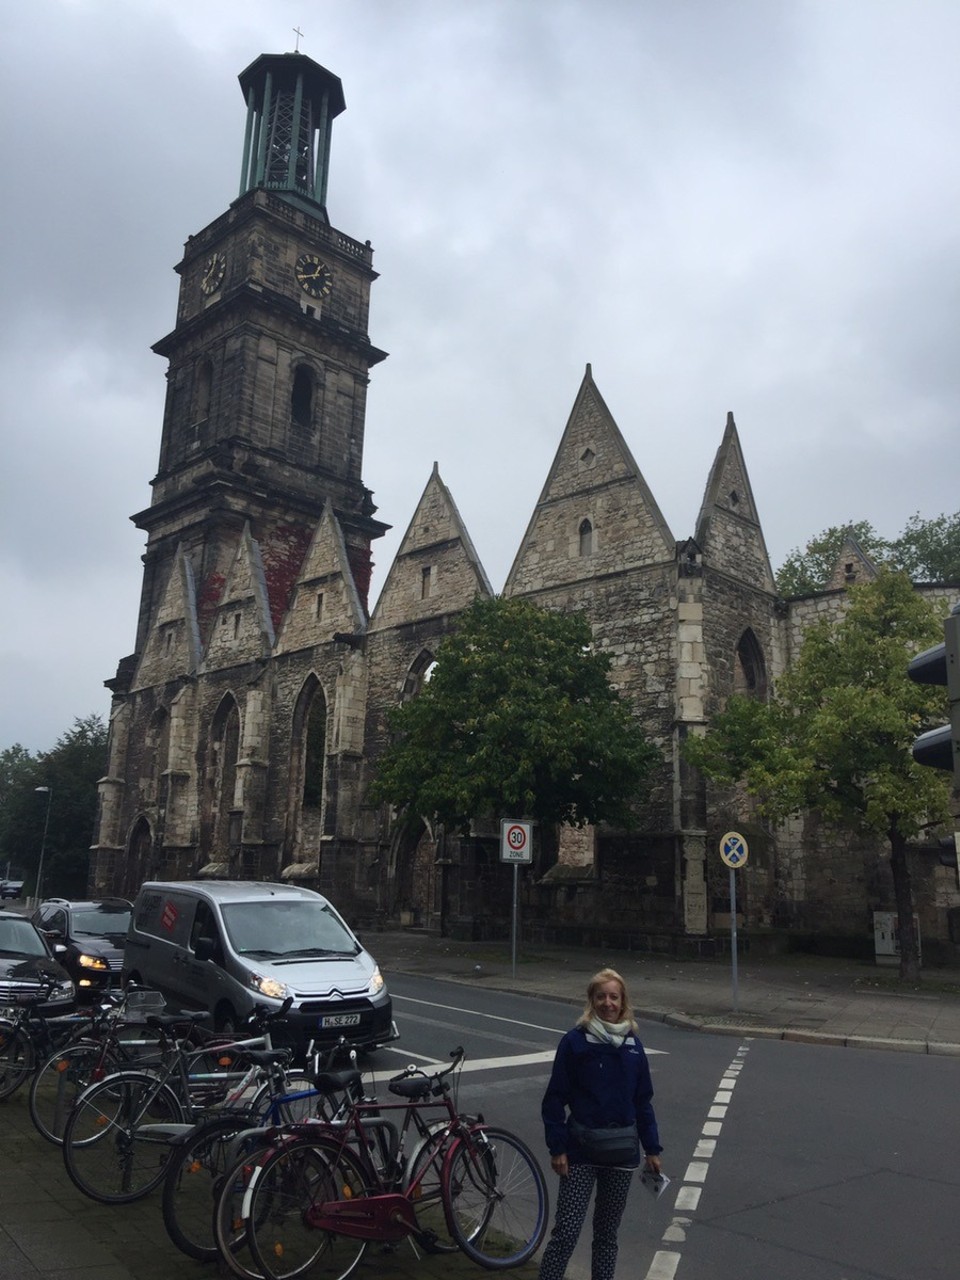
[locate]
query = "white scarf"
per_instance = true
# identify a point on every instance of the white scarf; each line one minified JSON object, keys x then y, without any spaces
{"x":608,"y":1032}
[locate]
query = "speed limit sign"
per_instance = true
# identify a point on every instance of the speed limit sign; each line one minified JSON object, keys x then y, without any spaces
{"x":516,"y":841}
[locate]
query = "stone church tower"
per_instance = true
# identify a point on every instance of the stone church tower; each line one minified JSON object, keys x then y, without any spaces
{"x":247,"y":725}
{"x":257,"y":564}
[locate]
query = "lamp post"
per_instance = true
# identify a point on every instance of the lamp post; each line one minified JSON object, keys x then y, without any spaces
{"x":48,"y":791}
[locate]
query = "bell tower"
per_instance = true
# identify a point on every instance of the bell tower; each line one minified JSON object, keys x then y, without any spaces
{"x":269,"y":360}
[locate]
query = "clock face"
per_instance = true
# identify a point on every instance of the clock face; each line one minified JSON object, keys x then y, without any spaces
{"x":211,"y":277}
{"x":313,"y":275}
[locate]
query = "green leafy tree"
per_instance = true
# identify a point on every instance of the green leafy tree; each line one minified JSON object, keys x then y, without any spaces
{"x":927,"y":550}
{"x":837,"y":732}
{"x":809,"y":570}
{"x":519,"y":719}
{"x":71,"y":770}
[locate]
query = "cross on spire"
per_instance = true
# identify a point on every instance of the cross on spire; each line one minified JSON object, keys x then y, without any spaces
{"x":299,"y":34}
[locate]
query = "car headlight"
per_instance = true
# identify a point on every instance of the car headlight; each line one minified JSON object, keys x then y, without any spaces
{"x":92,"y":962}
{"x":64,"y":989}
{"x":269,"y":987}
{"x":376,"y":982}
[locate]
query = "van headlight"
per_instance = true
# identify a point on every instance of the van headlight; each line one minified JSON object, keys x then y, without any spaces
{"x":91,"y":962}
{"x":269,"y":987}
{"x":376,"y":982}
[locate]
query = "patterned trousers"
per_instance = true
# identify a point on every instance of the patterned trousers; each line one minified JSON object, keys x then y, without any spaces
{"x":573,"y":1199}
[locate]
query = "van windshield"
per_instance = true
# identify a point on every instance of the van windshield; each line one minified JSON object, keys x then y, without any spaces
{"x":278,"y":928}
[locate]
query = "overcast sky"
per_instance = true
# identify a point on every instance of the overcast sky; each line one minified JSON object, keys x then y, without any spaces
{"x":721,"y":204}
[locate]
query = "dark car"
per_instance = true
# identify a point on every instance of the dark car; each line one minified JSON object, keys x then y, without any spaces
{"x":11,"y":888}
{"x":92,"y":935}
{"x":27,"y":966}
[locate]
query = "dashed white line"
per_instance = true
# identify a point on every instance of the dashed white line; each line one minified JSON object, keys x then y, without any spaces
{"x":665,"y":1261}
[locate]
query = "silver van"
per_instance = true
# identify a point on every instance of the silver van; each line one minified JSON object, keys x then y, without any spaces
{"x":229,"y":945}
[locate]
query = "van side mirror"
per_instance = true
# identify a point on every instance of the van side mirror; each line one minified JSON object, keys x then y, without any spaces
{"x":204,"y":948}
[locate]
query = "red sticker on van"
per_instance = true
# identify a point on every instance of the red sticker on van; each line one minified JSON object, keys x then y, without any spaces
{"x":168,"y":917}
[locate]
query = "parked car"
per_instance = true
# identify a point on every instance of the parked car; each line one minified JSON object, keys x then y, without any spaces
{"x":228,"y":946}
{"x":92,"y":937}
{"x":11,"y":888}
{"x":27,"y":966}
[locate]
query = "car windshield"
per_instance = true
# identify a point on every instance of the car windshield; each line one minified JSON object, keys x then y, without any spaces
{"x":98,"y":921}
{"x":20,"y":938}
{"x":287,"y":927}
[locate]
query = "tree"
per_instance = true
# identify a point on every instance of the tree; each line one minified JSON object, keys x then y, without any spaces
{"x":71,"y":770}
{"x":518,"y":719}
{"x":927,"y":550}
{"x":836,"y":734}
{"x":809,"y":570}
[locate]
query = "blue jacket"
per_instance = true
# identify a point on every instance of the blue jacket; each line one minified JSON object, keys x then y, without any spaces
{"x":601,"y":1086}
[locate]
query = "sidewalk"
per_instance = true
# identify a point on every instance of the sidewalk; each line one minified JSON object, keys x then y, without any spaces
{"x":811,"y":998}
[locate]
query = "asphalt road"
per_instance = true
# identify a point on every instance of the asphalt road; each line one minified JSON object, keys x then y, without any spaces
{"x":787,"y":1160}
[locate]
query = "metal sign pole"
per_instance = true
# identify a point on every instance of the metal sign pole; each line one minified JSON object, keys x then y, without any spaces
{"x":733,"y":937}
{"x":513,"y":931}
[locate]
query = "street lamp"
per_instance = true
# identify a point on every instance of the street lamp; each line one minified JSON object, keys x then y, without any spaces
{"x":48,"y":791}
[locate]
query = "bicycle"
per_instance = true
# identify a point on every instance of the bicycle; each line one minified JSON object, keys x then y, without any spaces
{"x":197,"y":1161}
{"x":108,"y":1046}
{"x":28,"y":1038}
{"x":318,"y":1197}
{"x":117,"y":1137}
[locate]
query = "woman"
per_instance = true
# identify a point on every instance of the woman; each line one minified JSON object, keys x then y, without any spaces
{"x":601,"y":1077}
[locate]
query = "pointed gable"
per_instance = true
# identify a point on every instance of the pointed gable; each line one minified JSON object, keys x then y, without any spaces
{"x":242,"y":629}
{"x":728,"y":528}
{"x":325,"y":598}
{"x":436,"y":570}
{"x":852,"y":565}
{"x":596,"y":514}
{"x":173,"y":644}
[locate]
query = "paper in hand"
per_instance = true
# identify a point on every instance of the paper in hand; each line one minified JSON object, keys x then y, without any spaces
{"x":655,"y":1183}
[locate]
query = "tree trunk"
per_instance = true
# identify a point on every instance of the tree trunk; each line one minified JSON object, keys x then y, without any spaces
{"x":903,"y":893}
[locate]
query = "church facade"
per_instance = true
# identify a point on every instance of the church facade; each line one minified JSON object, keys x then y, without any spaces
{"x":246,"y":726}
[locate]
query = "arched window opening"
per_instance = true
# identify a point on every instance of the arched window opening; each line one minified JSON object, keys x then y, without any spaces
{"x":308,"y":763}
{"x":750,"y":671}
{"x":314,"y":754}
{"x":225,"y":751}
{"x":301,"y":397}
{"x":419,"y":674}
{"x":586,"y":538}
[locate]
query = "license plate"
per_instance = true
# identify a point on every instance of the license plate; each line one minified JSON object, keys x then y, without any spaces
{"x":340,"y":1020}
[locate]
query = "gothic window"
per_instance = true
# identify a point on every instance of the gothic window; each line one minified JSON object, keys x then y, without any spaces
{"x":222,"y":776}
{"x":308,"y":764}
{"x":301,"y":397}
{"x":420,"y":672}
{"x":750,"y":673}
{"x":426,"y":582}
{"x":156,"y":751}
{"x":586,"y":538}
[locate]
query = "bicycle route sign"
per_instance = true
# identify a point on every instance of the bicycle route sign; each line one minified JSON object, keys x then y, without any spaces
{"x":516,"y":841}
{"x":734,"y":850}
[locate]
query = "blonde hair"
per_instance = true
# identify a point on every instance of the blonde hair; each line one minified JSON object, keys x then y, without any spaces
{"x":597,"y":981}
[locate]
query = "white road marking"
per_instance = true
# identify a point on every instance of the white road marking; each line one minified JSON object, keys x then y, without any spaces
{"x":688,"y":1197}
{"x":494,"y":1017}
{"x":664,"y":1265}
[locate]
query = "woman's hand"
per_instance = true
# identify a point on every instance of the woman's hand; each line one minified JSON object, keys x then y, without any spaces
{"x":560,"y":1165}
{"x":652,"y":1163}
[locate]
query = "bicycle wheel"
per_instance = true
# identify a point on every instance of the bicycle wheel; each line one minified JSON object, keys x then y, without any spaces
{"x":194,"y":1168}
{"x":424,"y":1183}
{"x":229,"y":1232}
{"x":60,"y":1081}
{"x":116,"y":1140}
{"x":281,"y":1189}
{"x":495,"y":1198}
{"x":16,"y":1058}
